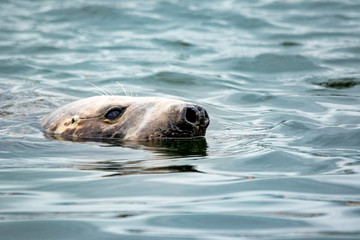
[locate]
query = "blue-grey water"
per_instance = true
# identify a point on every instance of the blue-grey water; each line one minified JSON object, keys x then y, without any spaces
{"x":279,"y":79}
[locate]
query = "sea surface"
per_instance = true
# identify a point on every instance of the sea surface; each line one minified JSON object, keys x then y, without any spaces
{"x":279,"y":79}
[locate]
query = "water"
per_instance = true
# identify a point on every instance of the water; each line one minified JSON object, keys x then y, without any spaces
{"x":280,"y":80}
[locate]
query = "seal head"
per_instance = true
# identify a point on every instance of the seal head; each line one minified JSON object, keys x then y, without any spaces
{"x":127,"y":118}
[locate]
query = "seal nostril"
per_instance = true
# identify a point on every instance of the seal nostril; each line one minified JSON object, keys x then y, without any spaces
{"x":191,"y":115}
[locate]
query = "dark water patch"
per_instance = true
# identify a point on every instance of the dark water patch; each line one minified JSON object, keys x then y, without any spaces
{"x":290,"y":44}
{"x":173,"y":43}
{"x":15,"y":194}
{"x":338,"y":83}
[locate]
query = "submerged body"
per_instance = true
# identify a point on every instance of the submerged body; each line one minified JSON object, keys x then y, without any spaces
{"x":127,"y":118}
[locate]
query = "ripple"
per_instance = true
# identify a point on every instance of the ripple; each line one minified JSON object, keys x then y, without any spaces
{"x":56,"y":229}
{"x":224,"y":221}
{"x":269,"y":63}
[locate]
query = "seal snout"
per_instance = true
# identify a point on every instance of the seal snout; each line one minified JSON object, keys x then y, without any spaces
{"x":195,"y":116}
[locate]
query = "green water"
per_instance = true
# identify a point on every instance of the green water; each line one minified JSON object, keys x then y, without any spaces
{"x":279,"y":79}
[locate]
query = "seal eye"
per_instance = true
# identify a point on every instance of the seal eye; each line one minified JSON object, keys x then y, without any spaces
{"x":114,"y":113}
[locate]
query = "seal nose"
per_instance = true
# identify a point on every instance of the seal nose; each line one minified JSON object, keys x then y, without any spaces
{"x":195,"y":115}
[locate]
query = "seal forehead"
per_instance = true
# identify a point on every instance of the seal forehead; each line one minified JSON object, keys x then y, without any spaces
{"x":95,"y":106}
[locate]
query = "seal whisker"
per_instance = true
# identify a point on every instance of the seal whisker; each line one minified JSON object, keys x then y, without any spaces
{"x":126,"y":94}
{"x":111,"y":93}
{"x":100,"y":89}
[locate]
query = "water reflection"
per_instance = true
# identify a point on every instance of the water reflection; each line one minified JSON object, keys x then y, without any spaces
{"x":163,"y":150}
{"x":131,"y":168}
{"x":169,"y":147}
